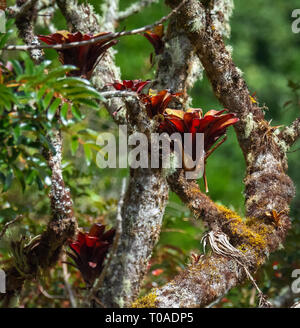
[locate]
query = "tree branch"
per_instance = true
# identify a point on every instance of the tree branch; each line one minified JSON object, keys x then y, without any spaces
{"x":268,"y":189}
{"x":290,"y":134}
{"x":96,"y":39}
{"x":24,"y":18}
{"x":110,"y":14}
{"x":178,"y":66}
{"x":112,"y":253}
{"x":142,"y":217}
{"x":135,"y":8}
{"x":18,"y":11}
{"x":43,"y":251}
{"x":106,"y":71}
{"x":121,"y":94}
{"x":141,"y":213}
{"x":63,"y":225}
{"x":8,"y":224}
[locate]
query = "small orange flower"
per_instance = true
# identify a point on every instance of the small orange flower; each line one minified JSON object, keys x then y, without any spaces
{"x":84,"y":57}
{"x":157,"y":272}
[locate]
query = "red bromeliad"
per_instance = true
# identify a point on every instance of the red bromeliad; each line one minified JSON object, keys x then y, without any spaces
{"x":89,"y":251}
{"x":155,"y":37}
{"x":156,"y":103}
{"x":132,"y":85}
{"x":84,"y":57}
{"x":213,"y":125}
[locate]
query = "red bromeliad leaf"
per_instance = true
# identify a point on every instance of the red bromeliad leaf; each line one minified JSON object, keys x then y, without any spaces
{"x":155,"y":37}
{"x":132,"y":85}
{"x":89,"y":251}
{"x":213,"y":125}
{"x":96,"y":230}
{"x":156,"y":103}
{"x":84,"y":57}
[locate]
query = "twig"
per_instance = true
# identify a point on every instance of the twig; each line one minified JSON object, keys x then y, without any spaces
{"x":135,"y":8}
{"x":24,"y":23}
{"x":219,"y":243}
{"x":296,"y":305}
{"x":95,"y":40}
{"x":46,"y":294}
{"x":215,"y":147}
{"x":17,"y":12}
{"x":99,"y":281}
{"x":8,"y":224}
{"x":112,"y":94}
{"x":66,"y":280}
{"x":290,"y":134}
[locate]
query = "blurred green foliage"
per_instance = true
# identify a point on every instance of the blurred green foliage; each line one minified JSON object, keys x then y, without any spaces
{"x":267,"y":52}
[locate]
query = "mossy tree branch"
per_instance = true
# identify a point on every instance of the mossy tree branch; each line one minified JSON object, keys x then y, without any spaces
{"x":290,"y":134}
{"x":268,"y":189}
{"x":43,"y":252}
{"x":142,"y":211}
{"x":195,"y":31}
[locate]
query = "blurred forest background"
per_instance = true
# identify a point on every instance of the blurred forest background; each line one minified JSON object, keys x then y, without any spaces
{"x":267,"y":52}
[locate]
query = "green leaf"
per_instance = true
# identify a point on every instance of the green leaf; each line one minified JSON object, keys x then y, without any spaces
{"x":16,"y":132}
{"x":47,"y":99}
{"x":39,"y":183}
{"x":2,"y":177}
{"x":8,"y":181}
{"x":17,"y":67}
{"x":4,"y":38}
{"x":29,"y":65}
{"x":82,"y":92}
{"x":88,"y":102}
{"x":30,"y":177}
{"x":74,"y":145}
{"x":20,"y":177}
{"x":41,"y":92}
{"x":76,"y":112}
{"x":9,"y":23}
{"x":71,"y":81}
{"x":55,"y":73}
{"x":64,"y":113}
{"x":53,"y":108}
{"x":88,"y":154}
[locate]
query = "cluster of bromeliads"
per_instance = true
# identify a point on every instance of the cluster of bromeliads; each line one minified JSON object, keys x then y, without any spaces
{"x":90,"y":249}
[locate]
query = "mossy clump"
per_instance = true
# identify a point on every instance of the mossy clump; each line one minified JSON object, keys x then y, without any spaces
{"x":148,"y":301}
{"x":229,"y":214}
{"x":255,"y":239}
{"x":243,"y":248}
{"x":250,"y":125}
